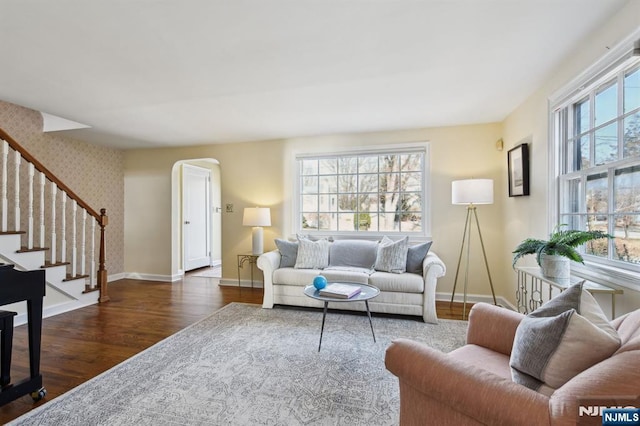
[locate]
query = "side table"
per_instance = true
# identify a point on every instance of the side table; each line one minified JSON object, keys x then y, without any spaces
{"x":366,"y":292}
{"x":251,"y":259}
{"x":529,"y":291}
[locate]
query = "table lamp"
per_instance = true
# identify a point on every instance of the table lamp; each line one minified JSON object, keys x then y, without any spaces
{"x":257,"y":217}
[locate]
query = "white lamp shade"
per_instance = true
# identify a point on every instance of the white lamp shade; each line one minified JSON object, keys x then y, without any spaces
{"x":472,"y":191}
{"x":256,"y":216}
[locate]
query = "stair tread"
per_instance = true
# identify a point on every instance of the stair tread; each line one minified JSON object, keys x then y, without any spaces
{"x":12,"y":232}
{"x":77,"y":277}
{"x":48,"y":264}
{"x":29,"y":250}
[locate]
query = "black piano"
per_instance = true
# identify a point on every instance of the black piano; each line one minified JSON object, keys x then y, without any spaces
{"x":18,"y":286}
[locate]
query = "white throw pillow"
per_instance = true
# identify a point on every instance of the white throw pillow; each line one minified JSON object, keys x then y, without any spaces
{"x":312,"y":254}
{"x":559,"y":340}
{"x":392,"y":256}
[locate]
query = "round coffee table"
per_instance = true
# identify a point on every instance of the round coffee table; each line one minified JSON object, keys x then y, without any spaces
{"x":366,"y":292}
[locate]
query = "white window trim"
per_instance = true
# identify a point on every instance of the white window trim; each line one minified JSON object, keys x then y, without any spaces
{"x":599,"y":71}
{"x":423,"y":236}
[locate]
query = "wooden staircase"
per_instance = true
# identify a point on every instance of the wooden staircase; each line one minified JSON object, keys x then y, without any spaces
{"x":46,"y":235}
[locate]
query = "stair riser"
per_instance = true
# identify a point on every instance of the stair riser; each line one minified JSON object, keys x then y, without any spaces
{"x":72,"y":290}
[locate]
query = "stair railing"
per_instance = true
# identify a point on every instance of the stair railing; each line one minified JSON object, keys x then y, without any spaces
{"x":97,"y":280}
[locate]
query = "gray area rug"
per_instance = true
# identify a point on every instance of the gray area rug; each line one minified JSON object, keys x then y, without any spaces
{"x":246,"y":365}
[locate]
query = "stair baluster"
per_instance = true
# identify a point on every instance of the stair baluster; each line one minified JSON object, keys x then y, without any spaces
{"x":83,"y":246}
{"x":5,"y":208}
{"x":92,"y":280}
{"x":63,"y":228}
{"x":30,"y":209}
{"x":16,"y":201}
{"x":54,"y":242}
{"x":74,"y":246}
{"x":42,"y":225}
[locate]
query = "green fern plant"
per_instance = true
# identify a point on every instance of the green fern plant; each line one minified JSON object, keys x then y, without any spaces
{"x":562,"y":242}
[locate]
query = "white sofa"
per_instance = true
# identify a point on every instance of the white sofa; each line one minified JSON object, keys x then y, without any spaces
{"x":400,"y":293}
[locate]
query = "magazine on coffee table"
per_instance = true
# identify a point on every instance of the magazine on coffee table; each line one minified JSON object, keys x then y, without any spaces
{"x":340,"y":291}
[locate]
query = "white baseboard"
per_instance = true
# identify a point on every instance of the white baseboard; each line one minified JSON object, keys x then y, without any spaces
{"x":153,"y":277}
{"x":232,"y":282}
{"x":116,"y":277}
{"x":476,"y":298}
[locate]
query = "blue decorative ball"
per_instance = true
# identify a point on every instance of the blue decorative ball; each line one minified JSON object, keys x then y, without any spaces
{"x":319,"y":282}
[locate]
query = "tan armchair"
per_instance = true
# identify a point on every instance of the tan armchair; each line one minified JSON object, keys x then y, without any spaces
{"x":472,"y":384}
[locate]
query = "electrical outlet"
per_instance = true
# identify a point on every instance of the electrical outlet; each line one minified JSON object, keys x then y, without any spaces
{"x":229,"y":208}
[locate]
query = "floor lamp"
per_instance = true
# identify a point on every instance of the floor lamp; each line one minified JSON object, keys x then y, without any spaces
{"x":471,"y":192}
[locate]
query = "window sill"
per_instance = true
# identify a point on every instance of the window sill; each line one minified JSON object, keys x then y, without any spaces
{"x":607,"y":275}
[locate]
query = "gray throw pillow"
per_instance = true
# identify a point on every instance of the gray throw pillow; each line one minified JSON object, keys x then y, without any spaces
{"x":392,"y":256}
{"x":353,"y":253}
{"x":312,"y":254}
{"x":288,"y":252}
{"x":416,"y":255}
{"x":559,"y":340}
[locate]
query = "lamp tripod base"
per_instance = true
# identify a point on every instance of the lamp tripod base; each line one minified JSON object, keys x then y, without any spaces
{"x":466,"y":239}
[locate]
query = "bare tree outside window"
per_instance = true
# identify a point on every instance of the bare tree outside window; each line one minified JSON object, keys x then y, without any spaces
{"x":379,"y":192}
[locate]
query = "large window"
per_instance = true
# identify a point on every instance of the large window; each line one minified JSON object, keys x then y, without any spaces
{"x":368,"y":192}
{"x":597,"y":131}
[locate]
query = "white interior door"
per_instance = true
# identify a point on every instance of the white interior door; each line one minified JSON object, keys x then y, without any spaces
{"x":196,"y":216}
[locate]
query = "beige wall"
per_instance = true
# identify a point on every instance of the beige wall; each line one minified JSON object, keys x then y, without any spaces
{"x":93,"y":172}
{"x":527,"y":216}
{"x":259,"y":174}
{"x":148,"y":181}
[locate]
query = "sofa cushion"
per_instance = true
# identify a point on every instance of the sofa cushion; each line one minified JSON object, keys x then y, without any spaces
{"x":366,"y":271}
{"x":416,"y":255}
{"x":338,"y":275}
{"x":288,"y":252}
{"x":353,"y":253}
{"x":483,"y":358}
{"x":304,"y":277}
{"x":297,"y":277}
{"x":312,"y":254}
{"x":392,"y":256}
{"x":562,"y":338}
{"x":404,"y":283}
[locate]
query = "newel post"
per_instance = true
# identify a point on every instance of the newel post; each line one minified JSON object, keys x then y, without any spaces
{"x":102,"y":272}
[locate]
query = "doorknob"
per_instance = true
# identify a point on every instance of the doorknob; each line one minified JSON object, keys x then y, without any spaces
{"x":186,"y":222}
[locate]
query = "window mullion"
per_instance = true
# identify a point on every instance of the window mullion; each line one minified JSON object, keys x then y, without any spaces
{"x":592,"y":125}
{"x":611,"y":210}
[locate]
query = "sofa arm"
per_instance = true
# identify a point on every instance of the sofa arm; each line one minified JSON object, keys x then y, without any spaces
{"x":267,"y":263}
{"x":613,"y":381}
{"x":432,"y":269}
{"x":493,"y":327}
{"x":471,"y":391}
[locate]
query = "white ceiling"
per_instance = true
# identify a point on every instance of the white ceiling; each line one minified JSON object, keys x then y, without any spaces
{"x":146,"y":73}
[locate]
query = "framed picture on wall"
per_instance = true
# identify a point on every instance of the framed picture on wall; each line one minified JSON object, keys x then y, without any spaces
{"x":518,"y":166}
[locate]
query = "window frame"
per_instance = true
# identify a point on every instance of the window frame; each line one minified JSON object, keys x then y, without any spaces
{"x":595,"y":79}
{"x":399,"y":149}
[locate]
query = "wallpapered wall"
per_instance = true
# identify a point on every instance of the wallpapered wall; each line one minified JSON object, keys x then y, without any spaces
{"x":94,"y":173}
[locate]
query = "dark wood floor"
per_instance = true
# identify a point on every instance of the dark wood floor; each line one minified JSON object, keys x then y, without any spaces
{"x":79,"y":345}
